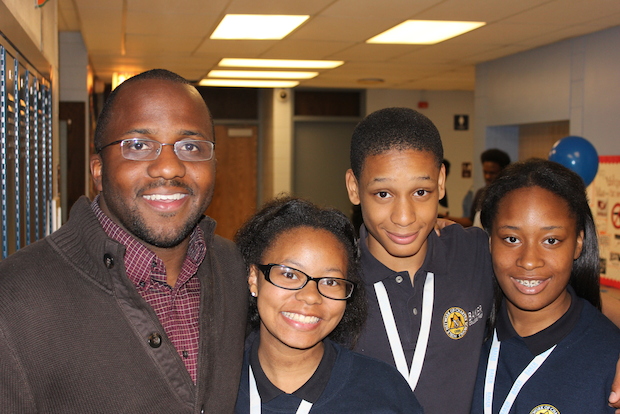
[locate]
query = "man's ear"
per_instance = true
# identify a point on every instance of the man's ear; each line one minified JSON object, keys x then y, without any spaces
{"x":352,"y":187}
{"x":95,"y":171}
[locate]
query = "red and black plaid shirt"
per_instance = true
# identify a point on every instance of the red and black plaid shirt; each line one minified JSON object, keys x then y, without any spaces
{"x":176,"y":307}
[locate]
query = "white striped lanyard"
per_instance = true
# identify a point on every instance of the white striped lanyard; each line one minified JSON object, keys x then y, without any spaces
{"x":489,"y":382}
{"x":396,"y":345}
{"x":304,"y":406}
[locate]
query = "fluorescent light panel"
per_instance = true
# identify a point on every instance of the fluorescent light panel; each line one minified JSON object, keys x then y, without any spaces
{"x":256,"y":26}
{"x":248,"y":83}
{"x":280,"y":63}
{"x":254,"y":74}
{"x":424,"y":32}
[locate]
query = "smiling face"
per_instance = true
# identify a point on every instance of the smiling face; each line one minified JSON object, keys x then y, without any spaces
{"x":159,"y":201}
{"x":299,"y":319}
{"x":533,"y":243}
{"x":490,"y":170}
{"x":399,"y":192}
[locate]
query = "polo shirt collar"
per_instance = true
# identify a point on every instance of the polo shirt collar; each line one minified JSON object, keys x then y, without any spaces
{"x":375,"y":271}
{"x":310,"y":391}
{"x":548,"y":337}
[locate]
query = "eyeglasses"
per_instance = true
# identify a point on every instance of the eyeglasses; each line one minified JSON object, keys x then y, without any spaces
{"x":142,"y":149}
{"x":292,"y":279}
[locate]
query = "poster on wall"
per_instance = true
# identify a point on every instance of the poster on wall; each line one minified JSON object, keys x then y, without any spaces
{"x":604,"y":194}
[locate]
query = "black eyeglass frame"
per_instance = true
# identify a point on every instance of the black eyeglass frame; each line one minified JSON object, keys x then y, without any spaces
{"x":161,"y":145}
{"x":267,"y":268}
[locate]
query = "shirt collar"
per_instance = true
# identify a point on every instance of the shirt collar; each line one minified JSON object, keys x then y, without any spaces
{"x":141,"y":264}
{"x":548,"y":337}
{"x":375,"y":271}
{"x":310,"y":391}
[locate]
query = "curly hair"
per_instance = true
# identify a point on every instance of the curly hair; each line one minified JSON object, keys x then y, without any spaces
{"x":108,"y":108}
{"x":567,"y":185}
{"x":393,"y":129}
{"x":287,"y":213}
{"x":497,"y":156}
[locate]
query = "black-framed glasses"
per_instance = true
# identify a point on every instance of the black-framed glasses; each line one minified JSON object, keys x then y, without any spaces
{"x":292,"y":279}
{"x":143,"y":149}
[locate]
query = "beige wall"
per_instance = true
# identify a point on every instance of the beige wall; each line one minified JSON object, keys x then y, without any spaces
{"x":458,"y":146}
{"x":276,"y":144}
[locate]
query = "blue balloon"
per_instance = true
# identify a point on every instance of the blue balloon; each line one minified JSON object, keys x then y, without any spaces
{"x":577,"y":154}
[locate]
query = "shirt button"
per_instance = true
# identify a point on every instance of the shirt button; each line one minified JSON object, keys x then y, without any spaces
{"x":155,"y":340}
{"x":108,"y":260}
{"x":185,"y":354}
{"x":415,"y":311}
{"x":399,"y":279}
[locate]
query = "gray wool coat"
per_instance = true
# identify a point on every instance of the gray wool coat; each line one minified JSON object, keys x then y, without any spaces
{"x":74,"y":332}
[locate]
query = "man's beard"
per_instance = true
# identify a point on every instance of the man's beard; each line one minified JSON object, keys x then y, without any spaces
{"x":131,"y":219}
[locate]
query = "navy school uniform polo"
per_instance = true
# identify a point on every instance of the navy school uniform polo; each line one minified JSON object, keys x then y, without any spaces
{"x":344,"y":382}
{"x":574,"y":379}
{"x":463,"y":296}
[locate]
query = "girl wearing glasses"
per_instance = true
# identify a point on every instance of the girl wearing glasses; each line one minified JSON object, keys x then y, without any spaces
{"x":307,"y":308}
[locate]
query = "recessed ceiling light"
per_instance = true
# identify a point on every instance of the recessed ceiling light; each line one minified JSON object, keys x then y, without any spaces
{"x":256,"y":26}
{"x":248,"y":83}
{"x":254,"y":74}
{"x":280,"y":63}
{"x":424,"y":32}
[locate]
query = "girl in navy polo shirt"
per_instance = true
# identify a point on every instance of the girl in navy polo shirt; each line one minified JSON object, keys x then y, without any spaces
{"x":551,"y":350}
{"x":306,"y":302}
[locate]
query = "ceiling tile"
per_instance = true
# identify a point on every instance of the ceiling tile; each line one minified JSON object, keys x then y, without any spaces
{"x":304,"y":49}
{"x":364,"y":52}
{"x":235,"y":48}
{"x":142,"y":45}
{"x":175,"y":35}
{"x":295,"y":7}
{"x":477,"y":10}
{"x":355,"y":29}
{"x":567,"y":12}
{"x":170,"y":24}
{"x":393,"y":9}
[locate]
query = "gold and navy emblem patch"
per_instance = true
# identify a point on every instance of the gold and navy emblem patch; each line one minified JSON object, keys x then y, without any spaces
{"x":545,"y":409}
{"x":455,"y":323}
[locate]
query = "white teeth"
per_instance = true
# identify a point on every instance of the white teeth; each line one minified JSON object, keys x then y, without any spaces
{"x":164,"y":197}
{"x":301,"y":318}
{"x":529,"y":283}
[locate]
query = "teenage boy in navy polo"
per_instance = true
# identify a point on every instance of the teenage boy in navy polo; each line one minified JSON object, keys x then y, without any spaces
{"x":429,"y":296}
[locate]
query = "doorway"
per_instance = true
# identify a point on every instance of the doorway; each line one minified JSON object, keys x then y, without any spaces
{"x":234,"y":198}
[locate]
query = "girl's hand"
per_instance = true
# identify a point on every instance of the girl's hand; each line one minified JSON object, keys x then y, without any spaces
{"x":614,"y":397}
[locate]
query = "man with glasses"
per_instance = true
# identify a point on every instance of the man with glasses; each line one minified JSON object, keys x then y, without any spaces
{"x":134,"y":305}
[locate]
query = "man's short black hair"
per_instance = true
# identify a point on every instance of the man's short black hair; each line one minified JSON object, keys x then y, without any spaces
{"x":106,"y":112}
{"x":394,"y":129}
{"x":497,"y":156}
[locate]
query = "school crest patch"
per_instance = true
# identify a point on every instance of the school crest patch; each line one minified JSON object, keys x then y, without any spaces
{"x":455,"y":323}
{"x":545,"y":409}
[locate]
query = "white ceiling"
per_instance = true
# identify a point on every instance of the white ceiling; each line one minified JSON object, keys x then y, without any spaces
{"x":175,"y":35}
